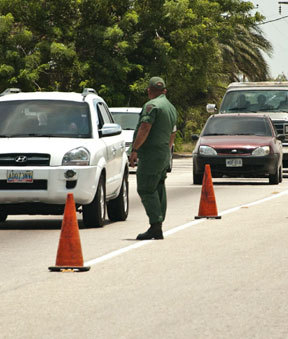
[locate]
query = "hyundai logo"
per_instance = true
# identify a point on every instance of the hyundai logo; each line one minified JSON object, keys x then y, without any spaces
{"x":21,"y":158}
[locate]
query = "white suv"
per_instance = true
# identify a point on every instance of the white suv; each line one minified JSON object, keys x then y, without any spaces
{"x":54,"y":143}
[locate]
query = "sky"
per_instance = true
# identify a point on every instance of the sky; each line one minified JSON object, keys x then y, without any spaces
{"x":276,"y":32}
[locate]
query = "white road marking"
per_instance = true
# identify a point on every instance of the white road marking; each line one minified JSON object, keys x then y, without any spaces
{"x":176,"y":229}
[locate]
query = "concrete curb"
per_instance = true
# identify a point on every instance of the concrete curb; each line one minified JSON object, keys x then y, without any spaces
{"x":182,"y":155}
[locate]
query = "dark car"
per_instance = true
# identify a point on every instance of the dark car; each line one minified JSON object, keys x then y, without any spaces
{"x":239,"y":145}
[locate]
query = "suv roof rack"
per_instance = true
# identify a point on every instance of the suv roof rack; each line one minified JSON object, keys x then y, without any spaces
{"x":10,"y":91}
{"x":87,"y":91}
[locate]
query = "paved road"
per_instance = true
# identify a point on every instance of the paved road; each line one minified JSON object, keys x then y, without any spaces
{"x":224,"y":278}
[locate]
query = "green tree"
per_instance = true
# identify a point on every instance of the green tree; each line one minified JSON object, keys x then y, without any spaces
{"x":115,"y":46}
{"x":38,"y":44}
{"x":242,"y":42}
{"x":106,"y":40}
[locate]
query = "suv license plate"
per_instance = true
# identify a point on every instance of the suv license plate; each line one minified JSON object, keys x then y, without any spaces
{"x":20,"y":176}
{"x":234,"y":163}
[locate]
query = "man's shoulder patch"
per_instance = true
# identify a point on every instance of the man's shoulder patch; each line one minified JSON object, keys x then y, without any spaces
{"x":149,"y":108}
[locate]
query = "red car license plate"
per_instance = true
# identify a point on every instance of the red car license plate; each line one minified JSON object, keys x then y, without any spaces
{"x":234,"y":162}
{"x":19,"y":176}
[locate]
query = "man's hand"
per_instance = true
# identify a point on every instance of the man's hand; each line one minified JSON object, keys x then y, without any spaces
{"x":141,"y":136}
{"x":133,"y":159}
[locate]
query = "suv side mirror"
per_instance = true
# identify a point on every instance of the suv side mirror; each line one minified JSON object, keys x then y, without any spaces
{"x":194,"y":137}
{"x":211,"y":108}
{"x":109,"y":130}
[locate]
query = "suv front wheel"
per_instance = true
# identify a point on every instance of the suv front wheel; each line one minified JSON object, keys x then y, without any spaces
{"x":94,"y":213}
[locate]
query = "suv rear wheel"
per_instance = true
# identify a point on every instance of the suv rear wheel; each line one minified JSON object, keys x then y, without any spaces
{"x":169,"y":170}
{"x":94,"y":213}
{"x":118,"y":208}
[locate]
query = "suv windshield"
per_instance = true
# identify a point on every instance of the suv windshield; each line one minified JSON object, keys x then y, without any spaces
{"x":255,"y":101}
{"x":128,"y":121}
{"x":237,"y":126}
{"x":51,"y":118}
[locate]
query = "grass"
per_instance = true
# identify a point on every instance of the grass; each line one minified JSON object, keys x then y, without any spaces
{"x":186,"y":147}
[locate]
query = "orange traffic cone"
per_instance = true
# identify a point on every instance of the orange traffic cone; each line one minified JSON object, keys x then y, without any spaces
{"x":207,"y":207}
{"x":69,"y":254}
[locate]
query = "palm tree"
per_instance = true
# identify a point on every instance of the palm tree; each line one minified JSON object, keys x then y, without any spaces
{"x":242,"y":53}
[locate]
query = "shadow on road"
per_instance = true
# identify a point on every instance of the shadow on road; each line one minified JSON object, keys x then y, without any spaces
{"x":31,"y":224}
{"x":39,"y":224}
{"x":240,"y":183}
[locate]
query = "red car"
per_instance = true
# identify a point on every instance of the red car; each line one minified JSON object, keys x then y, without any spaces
{"x":239,"y":145}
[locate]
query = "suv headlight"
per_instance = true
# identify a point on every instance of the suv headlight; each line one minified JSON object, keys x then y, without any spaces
{"x":207,"y":150}
{"x":76,"y":157}
{"x":261,"y":151}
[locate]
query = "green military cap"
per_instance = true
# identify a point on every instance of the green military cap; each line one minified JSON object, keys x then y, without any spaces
{"x":157,"y":82}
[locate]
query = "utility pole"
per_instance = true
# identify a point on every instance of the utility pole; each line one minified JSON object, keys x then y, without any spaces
{"x":282,"y":3}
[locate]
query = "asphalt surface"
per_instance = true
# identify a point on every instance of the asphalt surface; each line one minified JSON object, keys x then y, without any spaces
{"x":210,"y":278}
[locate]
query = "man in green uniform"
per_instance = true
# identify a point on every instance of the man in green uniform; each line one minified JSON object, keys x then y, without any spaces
{"x":152,"y":142}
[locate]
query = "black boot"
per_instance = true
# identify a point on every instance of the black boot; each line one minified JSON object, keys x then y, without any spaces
{"x":154,"y":232}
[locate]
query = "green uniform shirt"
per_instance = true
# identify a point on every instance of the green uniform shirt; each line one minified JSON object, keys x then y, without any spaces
{"x":154,"y":154}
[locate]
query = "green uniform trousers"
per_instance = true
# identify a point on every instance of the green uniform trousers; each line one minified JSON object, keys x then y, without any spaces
{"x":152,"y":191}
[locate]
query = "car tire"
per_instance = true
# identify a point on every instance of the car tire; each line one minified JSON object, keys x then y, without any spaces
{"x":94,"y":213}
{"x":197,"y":178}
{"x":169,"y":170}
{"x":280,"y":174}
{"x":118,"y":208}
{"x":274,"y":179}
{"x":3,"y":216}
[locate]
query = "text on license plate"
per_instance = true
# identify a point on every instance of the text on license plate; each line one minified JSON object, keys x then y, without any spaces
{"x":19,"y":176}
{"x":234,"y":163}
